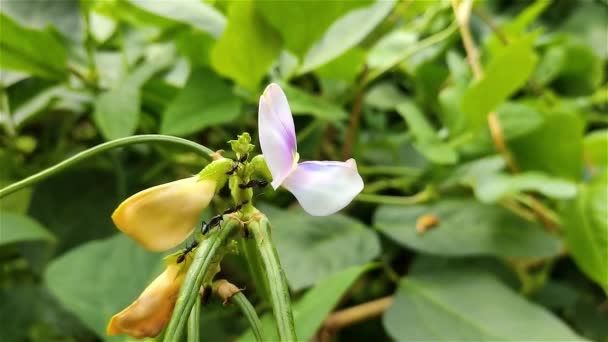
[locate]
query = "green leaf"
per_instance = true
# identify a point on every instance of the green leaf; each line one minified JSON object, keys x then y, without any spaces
{"x":384,"y":95}
{"x":20,"y":50}
{"x":493,"y":188}
{"x":192,"y":12}
{"x":17,"y":202}
{"x":544,"y":149}
{"x":117,"y":110}
{"x":595,"y":149}
{"x":467,"y":305}
{"x":504,"y":75}
{"x":391,"y":49}
{"x":427,"y":140}
{"x":302,"y":23}
{"x":247,"y":47}
{"x":586,"y":229}
{"x":301,"y":102}
{"x":311,"y":310}
{"x":588,"y":22}
{"x":63,"y":15}
{"x":17,"y":227}
{"x":582,"y":70}
{"x":313,"y":248}
{"x":99,"y":279}
{"x":345,"y":33}
{"x":346,"y":67}
{"x":206,"y":100}
{"x":466,"y":227}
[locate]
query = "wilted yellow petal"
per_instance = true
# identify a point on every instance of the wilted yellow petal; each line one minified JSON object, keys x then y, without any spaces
{"x":161,"y":217}
{"x":149,"y":313}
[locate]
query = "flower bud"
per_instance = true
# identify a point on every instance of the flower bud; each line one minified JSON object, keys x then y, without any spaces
{"x":150,"y":313}
{"x":161,"y":217}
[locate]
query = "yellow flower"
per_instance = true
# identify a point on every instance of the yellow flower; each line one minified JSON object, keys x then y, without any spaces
{"x":150,"y":313}
{"x":161,"y":217}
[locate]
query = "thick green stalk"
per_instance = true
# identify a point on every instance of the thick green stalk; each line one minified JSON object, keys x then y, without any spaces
{"x":194,"y":321}
{"x":206,"y":259}
{"x":275,"y":278}
{"x":252,"y":316}
{"x":136,"y":139}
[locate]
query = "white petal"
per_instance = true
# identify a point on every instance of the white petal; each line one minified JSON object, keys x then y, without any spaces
{"x":324,"y":187}
{"x":277,"y":133}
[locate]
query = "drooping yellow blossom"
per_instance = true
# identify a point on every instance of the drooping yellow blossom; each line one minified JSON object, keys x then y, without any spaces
{"x":150,"y":313}
{"x":161,"y":217}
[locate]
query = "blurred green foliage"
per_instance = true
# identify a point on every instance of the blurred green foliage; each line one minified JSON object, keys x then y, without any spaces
{"x":518,"y":244}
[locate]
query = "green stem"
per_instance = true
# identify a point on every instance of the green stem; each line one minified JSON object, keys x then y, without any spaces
{"x":420,"y":197}
{"x":256,"y":271}
{"x":389,"y":170}
{"x":194,"y":321}
{"x":207,"y":255}
{"x":275,"y":277}
{"x":249,"y":312}
{"x":136,"y":139}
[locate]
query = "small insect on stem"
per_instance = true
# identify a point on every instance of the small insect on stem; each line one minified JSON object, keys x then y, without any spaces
{"x":236,"y":164}
{"x":254,"y":183}
{"x":188,"y":249}
{"x":217,"y":219}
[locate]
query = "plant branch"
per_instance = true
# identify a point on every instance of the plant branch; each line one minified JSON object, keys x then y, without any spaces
{"x":420,"y":197}
{"x":136,"y":139}
{"x":249,"y":312}
{"x":208,"y":254}
{"x":275,"y":277}
{"x":353,"y":315}
{"x":194,"y":321}
{"x":355,"y":118}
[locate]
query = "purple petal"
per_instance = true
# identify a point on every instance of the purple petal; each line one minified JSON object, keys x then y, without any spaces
{"x":277,"y":133}
{"x":324,"y":187}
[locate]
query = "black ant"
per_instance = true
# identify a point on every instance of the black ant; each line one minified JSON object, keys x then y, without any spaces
{"x":188,"y":249}
{"x":217,"y":219}
{"x":254,"y":183}
{"x":236,"y":164}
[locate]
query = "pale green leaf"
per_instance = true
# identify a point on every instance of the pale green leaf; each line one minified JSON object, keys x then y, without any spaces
{"x":345,"y":33}
{"x":247,"y":48}
{"x":493,"y":188}
{"x":206,"y":100}
{"x":302,"y":102}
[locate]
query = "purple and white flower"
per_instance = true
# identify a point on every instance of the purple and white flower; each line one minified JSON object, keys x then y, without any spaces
{"x":321,"y":187}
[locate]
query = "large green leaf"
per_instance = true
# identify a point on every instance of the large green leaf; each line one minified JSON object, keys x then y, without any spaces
{"x":586,"y":229}
{"x":466,"y":227}
{"x":247,"y":47}
{"x":20,"y":49}
{"x":543,"y":149}
{"x":205,"y":100}
{"x":493,"y":188}
{"x":301,"y":102}
{"x":467,"y":305}
{"x":345,"y":33}
{"x":313,"y":248}
{"x":302,"y":23}
{"x":192,"y":12}
{"x":501,"y":80}
{"x":98,"y":279}
{"x":310,"y":311}
{"x":117,"y":110}
{"x":595,"y":149}
{"x":63,"y":15}
{"x":17,"y":227}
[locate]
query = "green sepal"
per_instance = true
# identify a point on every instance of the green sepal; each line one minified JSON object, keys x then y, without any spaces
{"x":216,"y":171}
{"x":258,"y":166}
